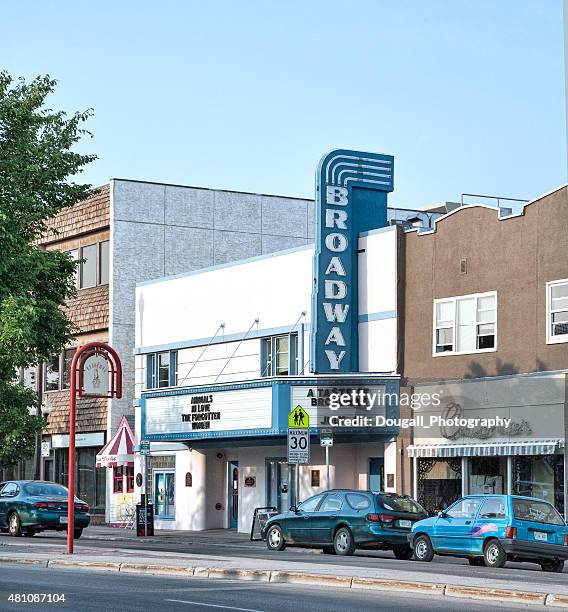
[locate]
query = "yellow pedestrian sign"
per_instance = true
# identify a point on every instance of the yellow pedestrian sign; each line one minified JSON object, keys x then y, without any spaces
{"x":298,"y":419}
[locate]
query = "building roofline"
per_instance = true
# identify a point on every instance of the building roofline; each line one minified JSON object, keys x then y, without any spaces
{"x":500,"y":217}
{"x":267,"y":195}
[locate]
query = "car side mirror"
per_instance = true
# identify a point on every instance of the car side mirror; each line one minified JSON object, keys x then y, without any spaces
{"x":294,"y":509}
{"x":442,"y":514}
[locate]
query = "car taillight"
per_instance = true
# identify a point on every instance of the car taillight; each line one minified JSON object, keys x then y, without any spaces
{"x":511,"y":533}
{"x":566,"y":539}
{"x":83,"y":507}
{"x":41,"y":505}
{"x":374,"y":518}
{"x":386,"y":518}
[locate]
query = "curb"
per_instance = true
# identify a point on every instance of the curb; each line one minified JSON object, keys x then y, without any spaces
{"x":328,"y":580}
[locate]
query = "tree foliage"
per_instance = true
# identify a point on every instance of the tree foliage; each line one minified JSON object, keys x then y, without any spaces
{"x":37,"y":165}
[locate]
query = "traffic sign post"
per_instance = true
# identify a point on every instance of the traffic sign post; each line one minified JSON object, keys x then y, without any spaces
{"x":326,"y":440}
{"x":144,"y":452}
{"x":298,"y":441}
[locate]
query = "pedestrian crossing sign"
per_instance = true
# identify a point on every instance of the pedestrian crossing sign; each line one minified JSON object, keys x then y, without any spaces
{"x":298,"y":419}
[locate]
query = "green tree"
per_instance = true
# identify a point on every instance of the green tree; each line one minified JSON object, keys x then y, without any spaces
{"x":36,"y":169}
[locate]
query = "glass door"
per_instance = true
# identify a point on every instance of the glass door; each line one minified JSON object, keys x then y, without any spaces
{"x":233,"y":494}
{"x":164,"y":495}
{"x":277,"y":472}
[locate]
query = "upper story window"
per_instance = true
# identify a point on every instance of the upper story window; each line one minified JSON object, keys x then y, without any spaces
{"x":94,"y":267}
{"x":279,"y":355}
{"x":465,"y":324}
{"x":161,"y":370}
{"x":557,"y":311}
{"x":57,"y":372}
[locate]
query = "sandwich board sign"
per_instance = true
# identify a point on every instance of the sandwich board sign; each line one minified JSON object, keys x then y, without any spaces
{"x":298,"y":436}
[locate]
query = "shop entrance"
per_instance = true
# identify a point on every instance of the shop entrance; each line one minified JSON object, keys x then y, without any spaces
{"x":277,"y":484}
{"x":376,"y":474}
{"x":164,"y":495}
{"x":233,"y":494}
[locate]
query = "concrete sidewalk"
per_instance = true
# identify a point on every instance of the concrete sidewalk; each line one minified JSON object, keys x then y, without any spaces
{"x":116,"y":534}
{"x":274,"y":570}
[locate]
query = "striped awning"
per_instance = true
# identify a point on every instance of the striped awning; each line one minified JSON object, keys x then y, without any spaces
{"x":119,"y":450}
{"x":490,"y":449}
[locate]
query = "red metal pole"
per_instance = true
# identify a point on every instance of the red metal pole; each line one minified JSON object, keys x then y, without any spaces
{"x":71,"y":460}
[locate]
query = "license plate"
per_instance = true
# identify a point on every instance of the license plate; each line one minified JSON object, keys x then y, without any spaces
{"x":407,"y":524}
{"x":63,"y":519}
{"x":538,"y":535}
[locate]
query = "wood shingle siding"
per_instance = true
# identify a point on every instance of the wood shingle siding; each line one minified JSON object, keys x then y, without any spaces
{"x":89,"y":310}
{"x":91,"y":414}
{"x":86,"y":216}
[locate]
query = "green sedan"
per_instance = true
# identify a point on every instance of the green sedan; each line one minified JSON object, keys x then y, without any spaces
{"x":341,"y":520}
{"x":30,"y":506}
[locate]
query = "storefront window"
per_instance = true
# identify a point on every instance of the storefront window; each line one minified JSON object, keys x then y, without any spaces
{"x":117,"y":480}
{"x":439,"y":482}
{"x":487,"y":475}
{"x":90,"y":480}
{"x":540,"y":476}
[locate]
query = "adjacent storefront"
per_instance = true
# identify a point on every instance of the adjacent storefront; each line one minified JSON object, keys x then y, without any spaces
{"x":499,"y":435}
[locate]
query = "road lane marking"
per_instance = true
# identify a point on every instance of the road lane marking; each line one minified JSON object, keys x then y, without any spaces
{"x":208,"y":605}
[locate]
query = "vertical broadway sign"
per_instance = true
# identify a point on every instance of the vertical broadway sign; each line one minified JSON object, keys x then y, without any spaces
{"x":351,"y":197}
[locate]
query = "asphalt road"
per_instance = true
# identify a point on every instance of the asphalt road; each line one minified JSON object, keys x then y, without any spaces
{"x":516,"y":574}
{"x":98,"y":591}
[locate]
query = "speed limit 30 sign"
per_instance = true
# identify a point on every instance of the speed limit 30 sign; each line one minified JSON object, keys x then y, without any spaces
{"x":298,"y":436}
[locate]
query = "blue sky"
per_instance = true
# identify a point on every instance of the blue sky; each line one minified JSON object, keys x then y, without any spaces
{"x":468,"y":95}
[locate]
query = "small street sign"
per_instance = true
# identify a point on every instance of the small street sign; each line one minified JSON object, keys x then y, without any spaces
{"x":45,"y":449}
{"x":326,"y":437}
{"x":298,"y":436}
{"x":145,"y":447}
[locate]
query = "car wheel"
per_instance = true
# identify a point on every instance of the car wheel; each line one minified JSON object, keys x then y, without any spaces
{"x":30,"y":533}
{"x":343,"y":542}
{"x":328,"y":550}
{"x":275,"y":538}
{"x":14,"y":528}
{"x":423,"y":550}
{"x":77,"y":533}
{"x":556,"y":566}
{"x":475,"y":561}
{"x":404,"y":553}
{"x":494,"y":554}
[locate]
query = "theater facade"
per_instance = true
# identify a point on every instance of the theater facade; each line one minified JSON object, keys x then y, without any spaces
{"x":224,"y":354}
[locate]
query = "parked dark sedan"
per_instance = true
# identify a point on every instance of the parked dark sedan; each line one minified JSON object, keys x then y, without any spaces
{"x":31,"y":506}
{"x":341,"y":520}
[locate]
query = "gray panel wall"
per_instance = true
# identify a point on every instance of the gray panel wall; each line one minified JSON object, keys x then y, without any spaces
{"x":160,"y":230}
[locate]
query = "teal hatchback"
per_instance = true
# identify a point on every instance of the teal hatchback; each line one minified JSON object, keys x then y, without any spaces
{"x":30,"y":506}
{"x":341,"y":520}
{"x":491,"y":529}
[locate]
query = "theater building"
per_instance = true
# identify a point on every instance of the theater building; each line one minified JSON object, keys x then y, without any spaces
{"x":224,"y":354}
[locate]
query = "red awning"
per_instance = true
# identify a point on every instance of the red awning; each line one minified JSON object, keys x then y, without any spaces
{"x":119,"y":450}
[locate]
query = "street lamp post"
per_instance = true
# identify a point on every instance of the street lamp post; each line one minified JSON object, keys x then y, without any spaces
{"x":96,"y":371}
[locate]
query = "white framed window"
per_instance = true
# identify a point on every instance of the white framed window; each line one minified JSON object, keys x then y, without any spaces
{"x":465,"y":324}
{"x":279,"y":355}
{"x":557,"y":311}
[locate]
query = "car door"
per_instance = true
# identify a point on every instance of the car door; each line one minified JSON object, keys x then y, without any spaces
{"x":452,"y":531}
{"x":324,"y":519}
{"x":299,"y":524}
{"x":491,"y":520}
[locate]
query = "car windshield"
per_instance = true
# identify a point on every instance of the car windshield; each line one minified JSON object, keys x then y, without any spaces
{"x":399,"y":503}
{"x":536,"y":511}
{"x":45,"y":488}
